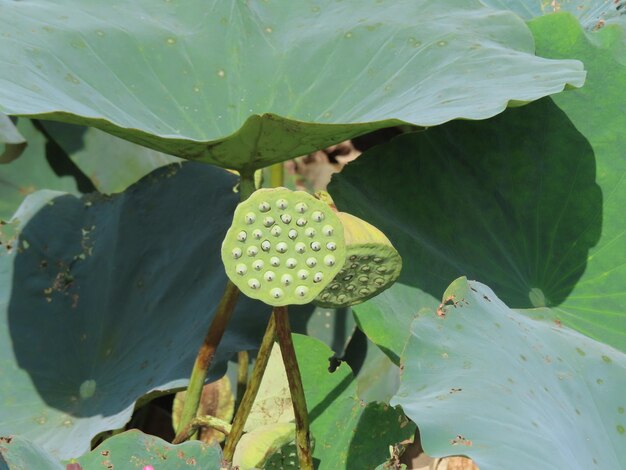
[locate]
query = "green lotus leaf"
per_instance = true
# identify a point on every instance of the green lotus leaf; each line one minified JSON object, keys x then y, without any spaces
{"x":529,"y":202}
{"x":134,"y":449}
{"x":130,"y":449}
{"x":29,"y":173}
{"x":510,"y":391}
{"x":111,"y":163}
{"x":12,"y":143}
{"x":104,"y":299}
{"x":246,"y":85}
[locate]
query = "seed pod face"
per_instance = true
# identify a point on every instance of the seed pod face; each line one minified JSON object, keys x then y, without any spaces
{"x":372,"y":265}
{"x":283,"y":247}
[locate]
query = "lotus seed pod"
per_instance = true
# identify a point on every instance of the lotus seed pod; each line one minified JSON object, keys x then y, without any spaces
{"x":372,"y":264}
{"x":283,"y":246}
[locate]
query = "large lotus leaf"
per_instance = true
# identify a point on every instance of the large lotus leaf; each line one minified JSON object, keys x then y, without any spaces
{"x":131,"y":449}
{"x":243,"y":85}
{"x":522,"y":202}
{"x":111,"y":163}
{"x":12,"y":143}
{"x":29,"y":173}
{"x":134,"y":449}
{"x":592,"y":14}
{"x":104,"y":299}
{"x":510,"y":391}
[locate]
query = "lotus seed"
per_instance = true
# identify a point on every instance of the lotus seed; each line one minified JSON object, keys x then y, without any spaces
{"x":325,"y":296}
{"x":331,"y":246}
{"x":268,"y":221}
{"x":310,"y":232}
{"x":301,"y":222}
{"x":250,"y":218}
{"x":252,"y":250}
{"x":291,"y":263}
{"x":329,"y":260}
{"x":269,"y":276}
{"x":365,"y":268}
{"x":354,"y":265}
{"x":378,"y":260}
{"x":311,"y":262}
{"x":348,"y":277}
{"x":266,"y":245}
{"x":363,"y":279}
{"x":293,"y":234}
{"x":276,"y":230}
{"x":300,"y":248}
{"x":328,"y":230}
{"x":276,"y":292}
{"x":317,"y":216}
{"x":281,"y":247}
{"x":286,"y":279}
{"x":350,"y":287}
{"x":264,"y":206}
{"x":342,"y":298}
{"x":381,"y":270}
{"x":319,"y":277}
{"x":316,"y":246}
{"x":241,"y":269}
{"x":301,"y":208}
{"x":365,"y":258}
{"x":254,"y":283}
{"x":301,"y":291}
{"x":364,"y":291}
{"x":241,"y":236}
{"x":236,"y":253}
{"x":335,"y":286}
{"x":258,"y":265}
{"x":257,"y":234}
{"x":282,"y":204}
{"x":274,"y":261}
{"x":379,"y":281}
{"x":286,"y":218}
{"x":303,"y":274}
{"x":352,"y":258}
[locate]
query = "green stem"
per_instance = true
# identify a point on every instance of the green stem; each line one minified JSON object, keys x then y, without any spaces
{"x":277,"y":175}
{"x":205,"y":355}
{"x":247,"y":401}
{"x":243,"y":361}
{"x":303,"y":438}
{"x":246,"y":184}
{"x":202,"y":421}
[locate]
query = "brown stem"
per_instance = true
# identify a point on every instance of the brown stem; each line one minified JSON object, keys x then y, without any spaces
{"x":243,"y":362}
{"x":303,"y":438}
{"x":205,"y":356}
{"x":247,"y":401}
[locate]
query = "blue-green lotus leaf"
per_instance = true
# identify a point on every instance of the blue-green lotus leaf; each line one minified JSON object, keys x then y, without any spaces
{"x":106,"y":298}
{"x":511,"y":391}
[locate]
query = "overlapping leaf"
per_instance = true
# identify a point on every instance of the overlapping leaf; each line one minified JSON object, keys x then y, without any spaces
{"x":12,"y":143}
{"x":510,"y":391}
{"x":112,"y":164}
{"x":104,"y":299}
{"x":348,"y":433}
{"x":244,"y":85}
{"x":29,"y":173}
{"x":523,"y":202}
